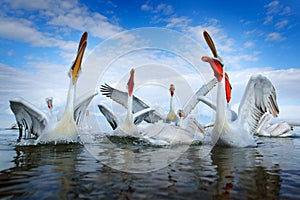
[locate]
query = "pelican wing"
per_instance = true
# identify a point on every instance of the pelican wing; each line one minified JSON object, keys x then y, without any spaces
{"x":138,"y":117}
{"x":263,"y":122}
{"x":121,"y":98}
{"x":81,"y":105}
{"x":110,"y":117}
{"x":28,"y":115}
{"x":197,"y":97}
{"x":208,"y":102}
{"x":259,"y":98}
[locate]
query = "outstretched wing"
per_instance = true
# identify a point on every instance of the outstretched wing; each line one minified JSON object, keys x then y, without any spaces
{"x":28,"y":115}
{"x":259,"y":98}
{"x":196,"y":98}
{"x":140,"y":116}
{"x":137,"y":104}
{"x":110,"y":117}
{"x":81,"y":105}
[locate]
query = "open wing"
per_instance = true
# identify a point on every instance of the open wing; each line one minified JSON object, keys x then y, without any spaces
{"x":259,"y":98}
{"x":140,"y":116}
{"x":137,"y":104}
{"x":196,"y":98}
{"x":81,"y":105}
{"x":110,"y":117}
{"x":28,"y":116}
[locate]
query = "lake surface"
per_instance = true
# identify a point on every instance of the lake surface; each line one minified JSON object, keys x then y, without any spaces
{"x":269,"y":171}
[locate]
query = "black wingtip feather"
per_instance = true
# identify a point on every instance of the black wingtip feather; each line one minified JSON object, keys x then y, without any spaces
{"x":106,"y":90}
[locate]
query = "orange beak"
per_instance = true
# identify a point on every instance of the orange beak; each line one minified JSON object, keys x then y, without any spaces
{"x":77,"y":64}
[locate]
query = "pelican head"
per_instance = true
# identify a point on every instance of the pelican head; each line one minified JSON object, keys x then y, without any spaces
{"x":172,"y":89}
{"x":181,"y":114}
{"x":130,"y":83}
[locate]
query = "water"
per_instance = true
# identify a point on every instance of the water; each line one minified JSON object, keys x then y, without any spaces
{"x":269,"y":171}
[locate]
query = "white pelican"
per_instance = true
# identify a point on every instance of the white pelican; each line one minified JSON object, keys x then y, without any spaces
{"x":280,"y":129}
{"x":259,"y":98}
{"x":61,"y":129}
{"x":65,"y":129}
{"x":172,"y":117}
{"x":128,"y":127}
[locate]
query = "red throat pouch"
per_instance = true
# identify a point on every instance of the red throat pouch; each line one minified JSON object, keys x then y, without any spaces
{"x":218,"y":70}
{"x":216,"y":65}
{"x":228,"y":88}
{"x":130,"y":83}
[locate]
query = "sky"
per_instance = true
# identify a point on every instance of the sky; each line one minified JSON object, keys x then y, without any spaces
{"x":39,"y":42}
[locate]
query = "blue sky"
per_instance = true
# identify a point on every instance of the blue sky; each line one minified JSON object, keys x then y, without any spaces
{"x":39,"y":41}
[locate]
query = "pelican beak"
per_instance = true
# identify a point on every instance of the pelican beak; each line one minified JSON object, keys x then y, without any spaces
{"x":77,"y":63}
{"x":210,"y":43}
{"x":216,"y":65}
{"x":130,"y":83}
{"x":200,"y":128}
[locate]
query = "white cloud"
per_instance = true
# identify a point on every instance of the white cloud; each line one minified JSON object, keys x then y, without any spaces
{"x":146,"y":7}
{"x":273,"y":7}
{"x":178,"y":22}
{"x":161,"y":9}
{"x":248,"y":44}
{"x":281,"y":24}
{"x":66,"y":14}
{"x":10,"y":52}
{"x":277,"y":8}
{"x":164,"y":9}
{"x":274,"y":36}
{"x":46,"y":80}
{"x":268,"y":20}
{"x":27,"y":32}
{"x":28,"y":5}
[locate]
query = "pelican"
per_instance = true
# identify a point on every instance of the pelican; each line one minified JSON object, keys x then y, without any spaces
{"x":172,"y":117}
{"x":65,"y":128}
{"x":128,"y":127}
{"x":259,"y":98}
{"x":62,"y":128}
{"x":280,"y":129}
{"x":153,"y":117}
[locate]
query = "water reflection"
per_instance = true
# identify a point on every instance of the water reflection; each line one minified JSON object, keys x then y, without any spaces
{"x":240,"y":173}
{"x":44,"y":170}
{"x":70,"y":172}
